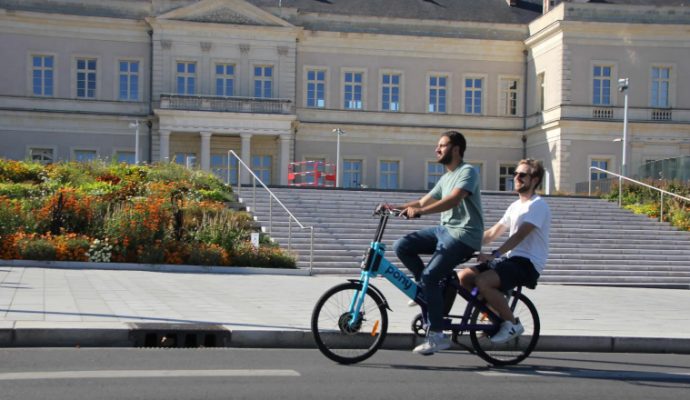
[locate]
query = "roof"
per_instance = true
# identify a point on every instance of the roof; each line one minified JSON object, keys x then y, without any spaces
{"x":493,"y":11}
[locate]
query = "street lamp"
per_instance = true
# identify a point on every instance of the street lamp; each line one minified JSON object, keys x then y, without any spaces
{"x":135,"y":125}
{"x":338,"y":132}
{"x":623,"y":88}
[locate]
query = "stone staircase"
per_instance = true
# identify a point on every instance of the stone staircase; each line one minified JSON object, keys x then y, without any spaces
{"x":592,"y":240}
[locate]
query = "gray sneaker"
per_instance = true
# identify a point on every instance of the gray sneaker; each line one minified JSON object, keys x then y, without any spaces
{"x":435,"y":341}
{"x":508,"y":331}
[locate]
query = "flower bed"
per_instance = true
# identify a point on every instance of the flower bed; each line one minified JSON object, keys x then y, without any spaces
{"x":162,"y":213}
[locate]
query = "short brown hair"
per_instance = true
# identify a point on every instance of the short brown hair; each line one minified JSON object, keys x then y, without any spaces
{"x":456,"y":139}
{"x":537,"y":169}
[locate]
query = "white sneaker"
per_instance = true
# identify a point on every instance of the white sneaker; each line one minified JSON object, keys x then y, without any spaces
{"x":508,"y":331}
{"x":435,"y":341}
{"x":412,"y":303}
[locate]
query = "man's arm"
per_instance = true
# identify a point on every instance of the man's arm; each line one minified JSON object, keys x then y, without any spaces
{"x":427,"y":205}
{"x":492,"y":233}
{"x":525,"y":229}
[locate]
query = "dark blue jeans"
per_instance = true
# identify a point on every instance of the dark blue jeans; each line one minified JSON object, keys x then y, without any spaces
{"x":447,"y":253}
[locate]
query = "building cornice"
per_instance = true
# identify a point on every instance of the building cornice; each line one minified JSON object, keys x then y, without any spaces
{"x":70,"y":26}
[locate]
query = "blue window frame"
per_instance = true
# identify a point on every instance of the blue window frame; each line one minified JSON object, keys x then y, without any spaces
{"x":437,"y":94}
{"x":263,"y":81}
{"x":42,"y":72}
{"x":186,"y":78}
{"x":601,"y":90}
{"x":86,"y":78}
{"x":316,"y":88}
{"x":352,"y":90}
{"x":129,"y":80}
{"x":225,"y":80}
{"x":473,"y":95}
{"x":389,"y":174}
{"x":352,"y":174}
{"x":390,"y":92}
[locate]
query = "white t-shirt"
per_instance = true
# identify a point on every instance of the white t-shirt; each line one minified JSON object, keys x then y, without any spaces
{"x":536,"y":245}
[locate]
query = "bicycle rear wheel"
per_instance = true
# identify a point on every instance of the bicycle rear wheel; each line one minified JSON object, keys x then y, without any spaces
{"x":341,"y":341}
{"x":515,"y":350}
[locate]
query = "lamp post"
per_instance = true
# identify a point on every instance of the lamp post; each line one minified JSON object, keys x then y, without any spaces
{"x":338,"y":132}
{"x":135,"y":125}
{"x":623,"y":88}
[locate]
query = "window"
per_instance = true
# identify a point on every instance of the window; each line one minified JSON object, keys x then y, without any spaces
{"x":219,"y":166}
{"x":129,"y":80}
{"x":541,"y":83}
{"x":261,"y":165}
{"x":599,"y":163}
{"x":124,"y":157}
{"x":186,"y":159}
{"x":186,"y":77}
{"x":505,"y":177}
{"x":42,"y":71}
{"x":352,"y":173}
{"x":661,"y":82}
{"x":473,"y":95}
{"x":86,"y":78}
{"x":389,"y":174}
{"x":434,"y":171}
{"x":316,"y":88}
{"x":601,"y":94}
{"x":225,"y":79}
{"x":85,"y":155}
{"x":352,"y":90}
{"x":42,"y":155}
{"x":509,"y":97}
{"x":263,"y":81}
{"x":438,"y":87}
{"x":390,"y":92}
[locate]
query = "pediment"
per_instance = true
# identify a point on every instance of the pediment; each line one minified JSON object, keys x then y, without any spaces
{"x":235,"y":12}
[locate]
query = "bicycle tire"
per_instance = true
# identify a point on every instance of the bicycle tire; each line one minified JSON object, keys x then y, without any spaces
{"x":342,"y":343}
{"x":515,"y":350}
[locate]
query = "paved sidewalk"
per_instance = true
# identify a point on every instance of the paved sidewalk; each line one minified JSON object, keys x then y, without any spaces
{"x":87,"y":307}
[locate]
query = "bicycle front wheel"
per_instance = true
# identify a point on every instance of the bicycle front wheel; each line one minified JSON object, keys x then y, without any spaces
{"x":335,"y":335}
{"x":515,"y":350}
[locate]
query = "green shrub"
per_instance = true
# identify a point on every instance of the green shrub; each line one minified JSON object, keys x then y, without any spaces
{"x":203,"y":254}
{"x":16,"y":171}
{"x":36,"y":249}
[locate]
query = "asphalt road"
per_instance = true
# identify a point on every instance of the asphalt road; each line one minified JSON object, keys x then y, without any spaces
{"x":305,"y":374}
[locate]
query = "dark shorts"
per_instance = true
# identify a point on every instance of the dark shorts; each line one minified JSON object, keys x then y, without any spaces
{"x":514,"y":271}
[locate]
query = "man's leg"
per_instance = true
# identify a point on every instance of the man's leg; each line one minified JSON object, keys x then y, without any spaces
{"x":409,"y":247}
{"x":449,"y":251}
{"x":488,"y":283}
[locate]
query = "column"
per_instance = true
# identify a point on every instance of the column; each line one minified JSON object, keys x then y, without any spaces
{"x":246,"y":155}
{"x":205,"y":151}
{"x":164,"y":145}
{"x":284,"y":157}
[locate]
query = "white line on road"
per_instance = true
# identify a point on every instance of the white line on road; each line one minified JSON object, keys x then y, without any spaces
{"x":116,"y":374}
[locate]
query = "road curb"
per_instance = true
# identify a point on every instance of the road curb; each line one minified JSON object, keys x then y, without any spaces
{"x":173,"y":268}
{"x":131,"y":334}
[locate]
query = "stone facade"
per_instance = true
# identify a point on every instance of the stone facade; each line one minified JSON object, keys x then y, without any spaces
{"x":271,"y":81}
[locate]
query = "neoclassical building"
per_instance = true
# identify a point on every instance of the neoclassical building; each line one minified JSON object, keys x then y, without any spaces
{"x":272,"y":79}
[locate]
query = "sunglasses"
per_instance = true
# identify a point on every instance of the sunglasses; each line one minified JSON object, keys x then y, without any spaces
{"x":520,"y":175}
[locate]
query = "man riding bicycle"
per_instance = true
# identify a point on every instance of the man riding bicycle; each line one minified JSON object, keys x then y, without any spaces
{"x":456,"y":196}
{"x":526,"y":249}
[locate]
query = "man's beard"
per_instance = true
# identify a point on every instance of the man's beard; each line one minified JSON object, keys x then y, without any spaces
{"x":446,"y":159}
{"x":523,"y":189}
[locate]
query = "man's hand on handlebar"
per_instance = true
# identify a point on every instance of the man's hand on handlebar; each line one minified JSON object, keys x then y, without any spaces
{"x":411,"y":212}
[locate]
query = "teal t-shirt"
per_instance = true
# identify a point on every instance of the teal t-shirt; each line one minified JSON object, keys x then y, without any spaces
{"x":465,"y":221}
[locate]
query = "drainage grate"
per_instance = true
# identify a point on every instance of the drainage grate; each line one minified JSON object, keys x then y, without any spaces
{"x":179,"y":335}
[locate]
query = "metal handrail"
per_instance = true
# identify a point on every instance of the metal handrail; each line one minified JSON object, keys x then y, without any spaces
{"x":620,"y":189}
{"x":270,"y":206}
